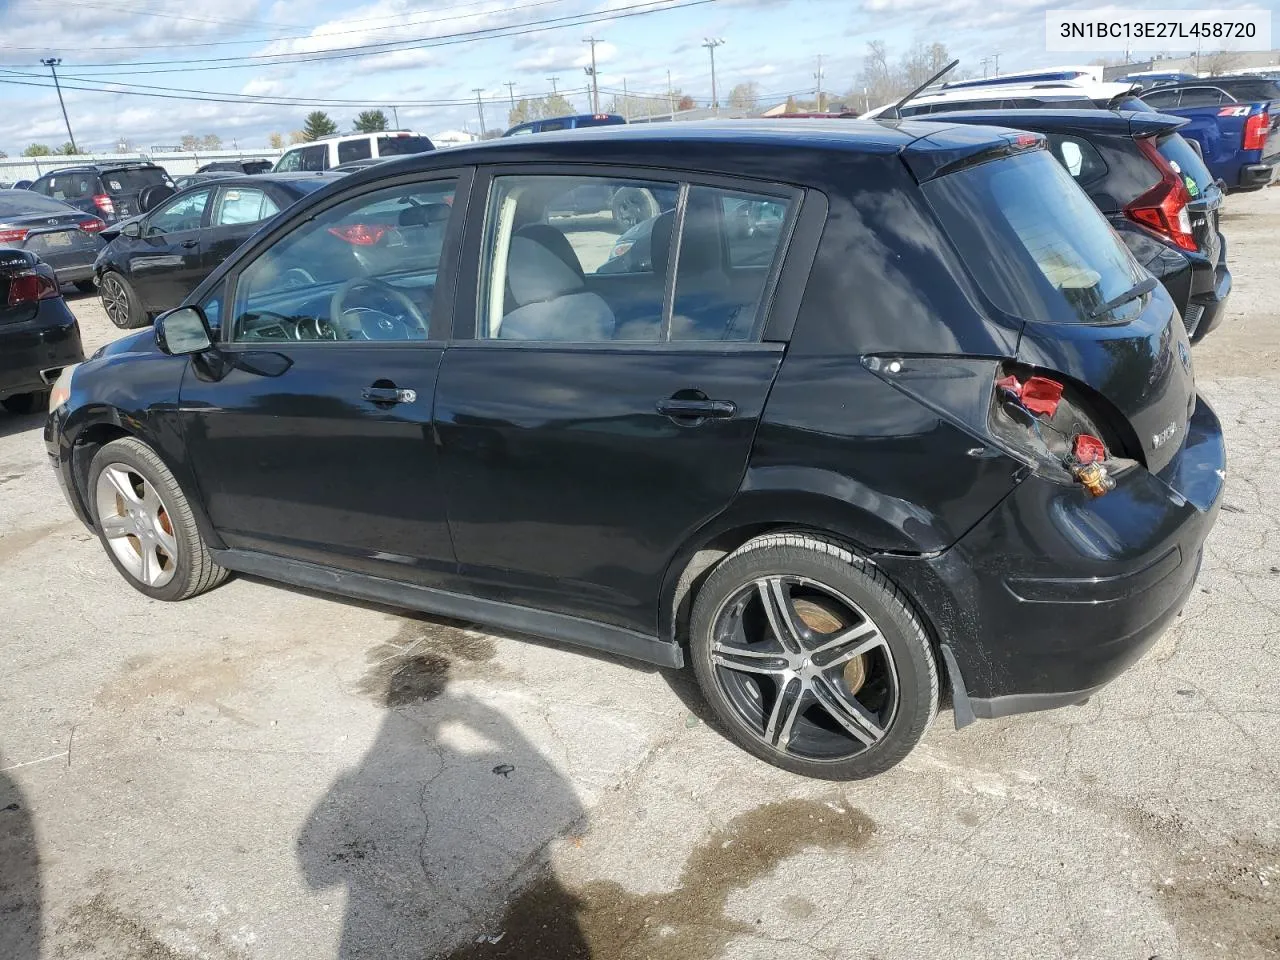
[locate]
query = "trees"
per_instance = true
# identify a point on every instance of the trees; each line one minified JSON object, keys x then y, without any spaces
{"x":538,"y":108}
{"x":211,"y":141}
{"x":685,"y":102}
{"x":883,"y":82}
{"x":68,"y":149}
{"x":37,"y":150}
{"x":744,"y":97}
{"x":318,"y":124}
{"x":370,"y":121}
{"x":276,"y":140}
{"x":298,"y":136}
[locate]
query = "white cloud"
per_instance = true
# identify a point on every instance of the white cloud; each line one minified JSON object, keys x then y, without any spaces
{"x":567,"y":58}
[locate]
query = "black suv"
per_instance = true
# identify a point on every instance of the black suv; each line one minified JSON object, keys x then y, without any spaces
{"x":248,"y":167}
{"x":1155,"y":190}
{"x":920,"y":419}
{"x":107,"y":190}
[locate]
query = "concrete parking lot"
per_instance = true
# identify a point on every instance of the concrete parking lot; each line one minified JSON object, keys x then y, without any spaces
{"x":266,"y":774}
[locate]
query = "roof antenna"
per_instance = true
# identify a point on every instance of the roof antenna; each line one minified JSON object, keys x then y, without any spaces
{"x":896,"y":112}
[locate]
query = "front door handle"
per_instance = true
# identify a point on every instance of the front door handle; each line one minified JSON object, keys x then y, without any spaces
{"x":697,"y":409}
{"x":389,"y":395}
{"x":190,"y":243}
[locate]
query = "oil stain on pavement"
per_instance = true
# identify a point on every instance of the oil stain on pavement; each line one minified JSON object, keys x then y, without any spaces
{"x":604,"y":920}
{"x":415,"y":664}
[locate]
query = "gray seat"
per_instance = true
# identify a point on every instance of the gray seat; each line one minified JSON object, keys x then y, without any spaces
{"x":552,"y":302}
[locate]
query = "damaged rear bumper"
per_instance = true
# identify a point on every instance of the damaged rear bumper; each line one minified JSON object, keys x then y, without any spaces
{"x":1054,"y":593}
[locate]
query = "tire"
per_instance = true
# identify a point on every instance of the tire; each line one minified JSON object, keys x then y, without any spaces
{"x":86,"y":286}
{"x":25,"y":404}
{"x":632,"y":205}
{"x":121,"y":302}
{"x":156,"y":497}
{"x":845,"y":693}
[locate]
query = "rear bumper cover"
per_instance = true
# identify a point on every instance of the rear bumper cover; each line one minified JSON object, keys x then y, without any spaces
{"x":32,"y":350}
{"x":1211,"y":305}
{"x":1054,"y":594}
{"x":1253,"y":176}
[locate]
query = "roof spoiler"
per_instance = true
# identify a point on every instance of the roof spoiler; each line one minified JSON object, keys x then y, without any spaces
{"x":1154,"y":124}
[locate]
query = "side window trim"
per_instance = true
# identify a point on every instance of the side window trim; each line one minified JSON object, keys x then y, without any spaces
{"x":446,"y":275}
{"x":466,"y":312}
{"x":673,"y":263}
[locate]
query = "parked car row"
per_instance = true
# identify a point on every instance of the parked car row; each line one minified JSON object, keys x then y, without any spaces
{"x":883,"y":410}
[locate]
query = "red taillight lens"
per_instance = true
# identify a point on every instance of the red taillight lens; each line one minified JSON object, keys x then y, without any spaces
{"x":104,"y":203}
{"x":30,"y":287}
{"x":93,"y":225}
{"x":361,"y":234}
{"x":1255,"y":131}
{"x":13,"y":236}
{"x":1163,"y":208}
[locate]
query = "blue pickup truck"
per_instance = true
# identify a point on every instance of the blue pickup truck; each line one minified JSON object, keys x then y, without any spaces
{"x":1234,"y":120}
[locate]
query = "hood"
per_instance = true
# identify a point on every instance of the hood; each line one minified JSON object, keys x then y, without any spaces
{"x":140,"y":341}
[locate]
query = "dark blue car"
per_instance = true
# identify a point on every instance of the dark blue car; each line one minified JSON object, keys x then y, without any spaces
{"x":579,"y":121}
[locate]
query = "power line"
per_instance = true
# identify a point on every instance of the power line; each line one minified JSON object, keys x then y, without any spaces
{"x":390,"y":46}
{"x":148,"y":12}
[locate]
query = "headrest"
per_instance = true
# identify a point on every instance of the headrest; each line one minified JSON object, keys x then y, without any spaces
{"x":536,"y":274}
{"x":553,"y":240}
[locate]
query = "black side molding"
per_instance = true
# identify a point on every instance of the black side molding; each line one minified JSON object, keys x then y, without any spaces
{"x":554,"y":626}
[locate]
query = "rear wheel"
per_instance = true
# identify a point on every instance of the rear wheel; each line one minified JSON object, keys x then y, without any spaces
{"x":145,"y":523}
{"x":632,"y":205}
{"x":121,"y":302}
{"x":812,"y":658}
{"x":24,"y":404}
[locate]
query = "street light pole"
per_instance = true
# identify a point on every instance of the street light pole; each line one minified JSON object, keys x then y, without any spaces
{"x":480,"y":108}
{"x":511,"y":92}
{"x":52,"y":64}
{"x":711,"y":45}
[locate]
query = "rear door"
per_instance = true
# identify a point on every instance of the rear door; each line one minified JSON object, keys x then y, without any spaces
{"x":166,"y":261}
{"x":237,"y":211}
{"x":124,"y":185}
{"x":589,"y":422}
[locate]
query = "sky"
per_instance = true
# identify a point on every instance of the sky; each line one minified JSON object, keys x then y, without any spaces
{"x":436,"y":53}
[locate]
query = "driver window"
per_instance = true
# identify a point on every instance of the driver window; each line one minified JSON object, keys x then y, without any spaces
{"x":363,"y":270}
{"x":181,"y":213}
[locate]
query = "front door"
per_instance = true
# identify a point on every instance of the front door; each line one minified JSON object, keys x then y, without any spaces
{"x":312,"y":432}
{"x":596,"y":417}
{"x":165,"y":261}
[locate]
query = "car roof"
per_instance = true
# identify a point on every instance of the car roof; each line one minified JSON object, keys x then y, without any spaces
{"x":1048,"y":120}
{"x":333,"y":138}
{"x":103,"y":167}
{"x":1222,"y":81}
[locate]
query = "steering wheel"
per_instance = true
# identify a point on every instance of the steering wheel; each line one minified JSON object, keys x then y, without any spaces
{"x":338,"y":304}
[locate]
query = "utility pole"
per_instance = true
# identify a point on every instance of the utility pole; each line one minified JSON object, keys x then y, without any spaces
{"x":395,"y":113}
{"x":554,"y":91}
{"x":591,"y":72}
{"x":984,"y":61}
{"x":511,"y":92}
{"x":480,"y":108}
{"x":997,"y":59}
{"x":818,"y":77}
{"x":52,"y":64}
{"x":711,"y":45}
{"x":626,"y":102}
{"x":671,"y":98}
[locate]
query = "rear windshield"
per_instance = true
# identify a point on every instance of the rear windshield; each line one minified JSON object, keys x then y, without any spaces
{"x":19,"y":203}
{"x":1033,"y":240}
{"x":398,"y":146}
{"x":131,"y":179}
{"x":1186,"y":163}
{"x":606,"y":121}
{"x":1254,"y":90}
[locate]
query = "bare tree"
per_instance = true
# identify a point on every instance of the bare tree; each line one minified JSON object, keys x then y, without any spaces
{"x":745,"y":97}
{"x":1224,"y":61}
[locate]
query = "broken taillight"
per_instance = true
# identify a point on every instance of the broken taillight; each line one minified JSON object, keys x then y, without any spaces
{"x":30,"y":287}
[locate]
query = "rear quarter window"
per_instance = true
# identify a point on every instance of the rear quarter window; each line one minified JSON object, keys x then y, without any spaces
{"x":1080,"y":157}
{"x":1186,"y":163}
{"x":1033,"y":240}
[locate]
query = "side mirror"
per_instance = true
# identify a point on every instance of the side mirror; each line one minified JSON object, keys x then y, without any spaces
{"x":132,"y":229}
{"x":183,"y":331}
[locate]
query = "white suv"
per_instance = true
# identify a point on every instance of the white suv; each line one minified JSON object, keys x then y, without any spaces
{"x":331,"y":151}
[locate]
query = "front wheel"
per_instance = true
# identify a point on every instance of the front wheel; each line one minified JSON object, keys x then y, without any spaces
{"x":121,"y":302}
{"x":145,"y":523}
{"x":812,"y":658}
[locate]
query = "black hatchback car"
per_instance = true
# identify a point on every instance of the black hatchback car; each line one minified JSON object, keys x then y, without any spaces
{"x":107,"y":190}
{"x":947,"y":432}
{"x":152,"y":261}
{"x":1153,"y":187}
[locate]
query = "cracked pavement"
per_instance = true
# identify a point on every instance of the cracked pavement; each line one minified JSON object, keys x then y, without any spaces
{"x":267,"y":774}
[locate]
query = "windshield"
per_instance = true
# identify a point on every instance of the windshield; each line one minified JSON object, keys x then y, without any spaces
{"x":1034,"y":241}
{"x":1186,"y":164}
{"x":398,"y":146}
{"x":21,"y":203}
{"x":132,"y":179}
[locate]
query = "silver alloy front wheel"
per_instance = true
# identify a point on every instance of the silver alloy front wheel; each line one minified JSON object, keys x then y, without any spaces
{"x":136,"y":524}
{"x":115,"y":301}
{"x":805,"y":667}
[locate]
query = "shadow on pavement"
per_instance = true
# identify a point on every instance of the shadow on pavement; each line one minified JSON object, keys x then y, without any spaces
{"x":448,"y":805}
{"x":20,"y":898}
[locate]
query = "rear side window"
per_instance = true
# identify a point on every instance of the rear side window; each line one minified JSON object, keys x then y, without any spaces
{"x":305,"y":158}
{"x":553,"y":125}
{"x":1186,"y":163}
{"x":1080,"y":157}
{"x":349,"y":150}
{"x":1202,"y":97}
{"x":399,"y":146}
{"x":1255,"y":90}
{"x":237,"y":205}
{"x":1166,"y":99}
{"x":71,"y":186}
{"x":1033,"y":240}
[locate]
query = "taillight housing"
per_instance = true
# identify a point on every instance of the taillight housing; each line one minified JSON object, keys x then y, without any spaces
{"x":104,"y":203}
{"x":13,"y":235}
{"x":1255,"y":131}
{"x":1163,"y":208}
{"x":93,"y":225}
{"x":30,"y":287}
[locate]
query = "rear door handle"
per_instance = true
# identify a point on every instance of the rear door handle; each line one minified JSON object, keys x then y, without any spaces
{"x":697,"y":409}
{"x":389,"y":395}
{"x":190,"y":243}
